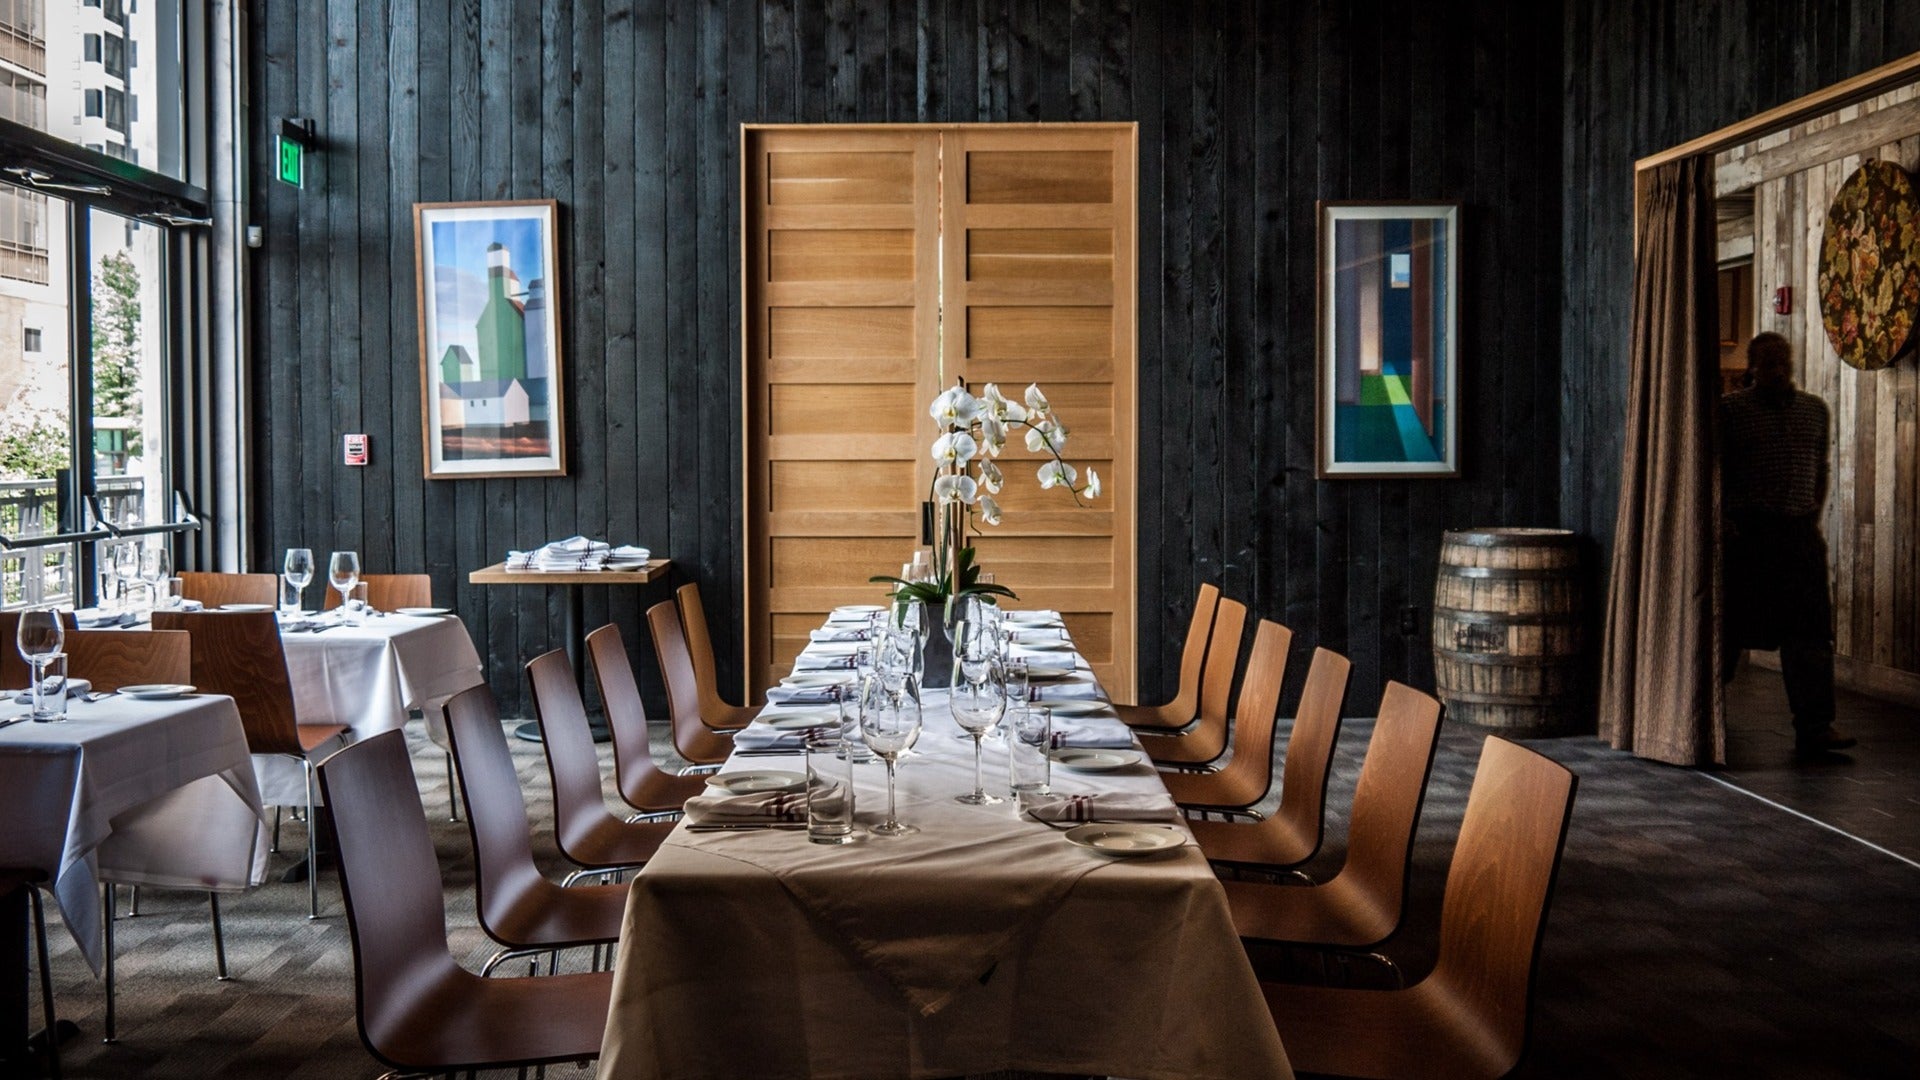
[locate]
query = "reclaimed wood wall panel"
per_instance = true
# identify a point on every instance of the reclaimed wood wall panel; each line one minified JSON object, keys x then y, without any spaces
{"x":626,"y":111}
{"x":1640,"y":77}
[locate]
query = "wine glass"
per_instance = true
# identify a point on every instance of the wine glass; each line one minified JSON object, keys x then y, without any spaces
{"x":298,"y":573}
{"x":156,"y":566}
{"x":343,"y":573}
{"x":39,"y":639}
{"x":978,"y":699}
{"x":126,"y":570}
{"x":890,"y":723}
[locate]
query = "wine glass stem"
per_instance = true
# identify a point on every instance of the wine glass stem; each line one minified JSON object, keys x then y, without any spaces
{"x":39,"y":693}
{"x":977,"y":789}
{"x":892,"y":817}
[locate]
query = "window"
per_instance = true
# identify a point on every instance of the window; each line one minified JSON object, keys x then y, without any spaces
{"x":93,"y":100}
{"x":23,"y":237}
{"x":115,"y":11}
{"x":30,"y":339}
{"x":117,"y":110}
{"x":90,"y":48}
{"x":23,"y":100}
{"x":114,"y":55}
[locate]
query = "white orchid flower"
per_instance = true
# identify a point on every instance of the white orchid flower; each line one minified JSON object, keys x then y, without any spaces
{"x":954,"y":408}
{"x":1048,"y":434}
{"x":954,"y":448}
{"x":989,"y":510}
{"x":990,"y":477}
{"x":1056,"y":473}
{"x":1092,"y":490}
{"x":1036,"y":401}
{"x":1000,"y":408}
{"x":993,"y":434}
{"x":956,"y":489}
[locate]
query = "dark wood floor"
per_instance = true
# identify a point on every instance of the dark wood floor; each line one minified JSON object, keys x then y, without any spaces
{"x":1697,"y":931}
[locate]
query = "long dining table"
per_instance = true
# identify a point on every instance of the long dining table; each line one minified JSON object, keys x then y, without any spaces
{"x":984,"y":942}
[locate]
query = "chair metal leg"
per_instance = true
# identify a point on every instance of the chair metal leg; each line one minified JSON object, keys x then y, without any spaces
{"x":275,"y":846}
{"x":109,"y":1029}
{"x":219,"y":939}
{"x":46,"y":982}
{"x":133,"y":905}
{"x":313,"y":848}
{"x":453,"y":790}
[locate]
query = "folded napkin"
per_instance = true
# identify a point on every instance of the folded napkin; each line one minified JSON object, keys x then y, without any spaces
{"x":760,"y":808}
{"x":1040,"y":633}
{"x":629,"y":553}
{"x":577,"y":553}
{"x":1106,"y":806}
{"x":843,"y":634}
{"x":1092,"y":735}
{"x":803,"y":695}
{"x":1064,"y":690}
{"x":818,"y":661}
{"x":762,"y":737}
{"x":75,"y":688}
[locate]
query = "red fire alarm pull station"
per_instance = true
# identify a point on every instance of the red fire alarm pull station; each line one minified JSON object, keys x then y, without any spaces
{"x":1783,"y":300}
{"x":356,"y":449}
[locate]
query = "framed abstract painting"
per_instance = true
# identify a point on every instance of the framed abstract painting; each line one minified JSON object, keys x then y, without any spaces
{"x":1386,"y":390}
{"x":490,"y":375}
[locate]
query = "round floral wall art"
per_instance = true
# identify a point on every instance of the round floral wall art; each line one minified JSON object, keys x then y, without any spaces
{"x":1870,"y":266}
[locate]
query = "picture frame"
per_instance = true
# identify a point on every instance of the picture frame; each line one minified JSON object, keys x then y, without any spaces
{"x":492,"y":400}
{"x":1387,"y":378}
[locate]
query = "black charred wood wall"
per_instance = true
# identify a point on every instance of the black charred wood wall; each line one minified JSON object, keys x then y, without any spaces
{"x":629,"y":114}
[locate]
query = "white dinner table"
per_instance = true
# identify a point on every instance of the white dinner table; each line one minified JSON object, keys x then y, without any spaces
{"x":145,"y":792}
{"x":984,"y":942}
{"x":366,"y":676}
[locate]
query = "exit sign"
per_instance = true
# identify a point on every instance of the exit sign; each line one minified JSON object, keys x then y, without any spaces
{"x":292,"y":159}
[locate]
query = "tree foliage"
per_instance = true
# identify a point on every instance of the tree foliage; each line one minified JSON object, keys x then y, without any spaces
{"x":116,"y":343}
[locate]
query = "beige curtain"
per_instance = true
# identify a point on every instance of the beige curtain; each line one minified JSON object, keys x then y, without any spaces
{"x":1660,"y":691}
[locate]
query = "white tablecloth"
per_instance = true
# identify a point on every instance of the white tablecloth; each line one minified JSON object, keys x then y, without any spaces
{"x":142,"y":792}
{"x":367,"y":677}
{"x":984,"y":942}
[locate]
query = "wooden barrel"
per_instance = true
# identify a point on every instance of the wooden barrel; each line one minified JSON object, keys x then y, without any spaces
{"x":1507,"y":629}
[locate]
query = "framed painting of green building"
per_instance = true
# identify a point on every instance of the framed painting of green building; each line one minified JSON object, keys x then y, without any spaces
{"x":1386,"y":399}
{"x":490,"y":375}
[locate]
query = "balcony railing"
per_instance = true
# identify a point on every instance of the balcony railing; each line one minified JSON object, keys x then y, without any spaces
{"x":48,"y":575}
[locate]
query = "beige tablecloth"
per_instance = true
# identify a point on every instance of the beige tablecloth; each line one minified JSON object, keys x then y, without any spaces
{"x":984,"y":942}
{"x":142,"y":792}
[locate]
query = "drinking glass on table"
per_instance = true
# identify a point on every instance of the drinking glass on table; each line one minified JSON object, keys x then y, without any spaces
{"x":343,"y":573}
{"x":39,"y":639}
{"x":890,"y":723}
{"x":126,"y":570}
{"x":1029,"y":771}
{"x":156,"y":565}
{"x":978,"y":698}
{"x":297,"y":572}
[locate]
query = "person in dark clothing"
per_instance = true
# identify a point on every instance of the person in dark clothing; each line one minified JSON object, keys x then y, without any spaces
{"x":1774,"y":440}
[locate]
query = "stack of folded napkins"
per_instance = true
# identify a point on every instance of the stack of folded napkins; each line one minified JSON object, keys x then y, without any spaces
{"x":578,"y":554}
{"x":1111,"y":735}
{"x":760,"y":808}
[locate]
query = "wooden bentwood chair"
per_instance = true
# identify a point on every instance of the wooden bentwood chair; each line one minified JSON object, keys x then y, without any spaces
{"x":715,"y":711}
{"x":388,"y":592}
{"x":1468,"y":1018}
{"x":1244,"y":780}
{"x":1173,"y":715}
{"x":1362,"y":905}
{"x":518,"y":907}
{"x":1203,"y":743}
{"x":650,"y":791}
{"x":418,"y":1009}
{"x":586,"y":833}
{"x":238,"y":653}
{"x":1293,"y":834}
{"x":693,"y":738}
{"x":214,"y":589}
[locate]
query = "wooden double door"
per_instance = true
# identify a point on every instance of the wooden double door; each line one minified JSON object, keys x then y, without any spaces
{"x":881,"y":264}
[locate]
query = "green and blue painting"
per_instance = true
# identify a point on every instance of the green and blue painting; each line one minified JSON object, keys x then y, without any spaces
{"x":1388,"y":356}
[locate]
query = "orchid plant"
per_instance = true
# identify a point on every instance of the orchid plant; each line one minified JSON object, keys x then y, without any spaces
{"x":973,"y":433}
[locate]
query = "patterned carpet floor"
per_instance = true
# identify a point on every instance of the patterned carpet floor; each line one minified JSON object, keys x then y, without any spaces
{"x":1696,"y":932}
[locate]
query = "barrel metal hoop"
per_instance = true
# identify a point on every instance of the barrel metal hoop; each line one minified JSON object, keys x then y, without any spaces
{"x":1540,"y":538}
{"x":1492,"y":618}
{"x":1533,"y":701}
{"x":1557,"y":573}
{"x":1508,"y":659}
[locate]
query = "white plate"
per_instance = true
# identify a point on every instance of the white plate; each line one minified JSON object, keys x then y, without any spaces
{"x":1087,"y":759}
{"x":1044,"y":645}
{"x":820,"y":678}
{"x":757,"y":781}
{"x":246,"y":607}
{"x":1078,"y":707}
{"x":797,"y":721}
{"x":1033,"y":618}
{"x":858,"y":609}
{"x":1049,"y":671}
{"x":1126,"y":838}
{"x":157,"y":691}
{"x":422,"y":611}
